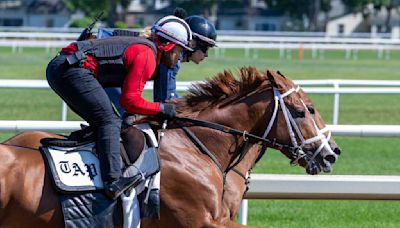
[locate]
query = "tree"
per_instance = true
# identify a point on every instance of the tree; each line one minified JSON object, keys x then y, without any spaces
{"x":208,"y":8}
{"x":377,"y":5}
{"x":92,"y":8}
{"x":301,"y":9}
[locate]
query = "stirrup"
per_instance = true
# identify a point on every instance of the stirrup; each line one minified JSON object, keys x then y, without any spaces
{"x":116,"y":188}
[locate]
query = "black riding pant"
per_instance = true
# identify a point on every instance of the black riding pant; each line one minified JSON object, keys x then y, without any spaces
{"x":85,"y":96}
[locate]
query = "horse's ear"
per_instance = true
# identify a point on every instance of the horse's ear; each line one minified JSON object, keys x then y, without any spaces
{"x":271,"y":78}
{"x":281,"y":74}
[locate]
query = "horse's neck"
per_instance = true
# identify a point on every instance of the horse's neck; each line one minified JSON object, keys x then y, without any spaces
{"x":243,"y":116}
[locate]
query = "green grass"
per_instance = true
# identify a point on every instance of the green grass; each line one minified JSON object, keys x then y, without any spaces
{"x":318,"y":213}
{"x":361,"y":156}
{"x":371,"y":159}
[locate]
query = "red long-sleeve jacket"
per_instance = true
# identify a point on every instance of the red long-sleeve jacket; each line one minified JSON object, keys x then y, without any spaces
{"x":140,"y":64}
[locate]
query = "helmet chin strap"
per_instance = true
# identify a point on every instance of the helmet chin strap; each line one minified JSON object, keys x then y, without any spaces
{"x":162,"y":49}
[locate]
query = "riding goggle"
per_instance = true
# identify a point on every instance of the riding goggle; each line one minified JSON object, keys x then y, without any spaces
{"x":202,"y":47}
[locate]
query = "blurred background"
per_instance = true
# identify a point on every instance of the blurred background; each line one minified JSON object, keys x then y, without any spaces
{"x":344,"y":53}
{"x":334,"y":17}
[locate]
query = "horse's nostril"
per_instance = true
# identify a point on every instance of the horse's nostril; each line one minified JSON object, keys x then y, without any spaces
{"x":330,"y":158}
{"x":337,"y":151}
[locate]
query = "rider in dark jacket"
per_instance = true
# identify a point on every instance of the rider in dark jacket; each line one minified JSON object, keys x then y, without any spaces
{"x":81,"y":70}
{"x":204,"y":37}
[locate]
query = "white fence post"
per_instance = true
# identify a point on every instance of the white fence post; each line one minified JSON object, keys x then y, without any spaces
{"x":335,"y":115}
{"x":314,"y":52}
{"x":64,"y":111}
{"x":243,"y":212}
{"x":246,"y":52}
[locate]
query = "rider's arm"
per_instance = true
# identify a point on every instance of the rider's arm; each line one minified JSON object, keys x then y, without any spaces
{"x":165,"y":83}
{"x":140,"y":63}
{"x":171,"y":89}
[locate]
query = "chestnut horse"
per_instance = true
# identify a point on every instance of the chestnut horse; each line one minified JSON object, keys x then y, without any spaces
{"x":243,"y":116}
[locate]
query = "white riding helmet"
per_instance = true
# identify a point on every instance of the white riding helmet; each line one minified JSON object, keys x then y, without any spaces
{"x":175,"y":30}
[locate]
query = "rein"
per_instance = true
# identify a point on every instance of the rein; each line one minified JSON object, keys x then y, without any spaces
{"x":246,"y":135}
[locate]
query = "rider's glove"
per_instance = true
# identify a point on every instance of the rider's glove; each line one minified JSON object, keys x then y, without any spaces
{"x":167,"y":111}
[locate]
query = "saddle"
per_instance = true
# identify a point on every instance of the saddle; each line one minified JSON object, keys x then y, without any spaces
{"x":74,"y":164}
{"x":75,"y":172}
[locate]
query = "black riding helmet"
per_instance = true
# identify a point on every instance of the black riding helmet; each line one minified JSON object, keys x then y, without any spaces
{"x":202,"y":30}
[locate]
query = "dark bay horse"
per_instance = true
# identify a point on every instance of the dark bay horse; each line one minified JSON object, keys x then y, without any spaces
{"x":265,"y":107}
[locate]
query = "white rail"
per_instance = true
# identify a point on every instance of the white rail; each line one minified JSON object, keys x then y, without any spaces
{"x":68,"y":126}
{"x":18,"y":44}
{"x":183,"y":85}
{"x":242,"y":38}
{"x":339,"y":187}
{"x":338,"y":87}
{"x":250,"y":40}
{"x":39,"y":125}
{"x":268,"y":186}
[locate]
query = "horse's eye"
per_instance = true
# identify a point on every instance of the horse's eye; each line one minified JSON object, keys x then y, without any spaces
{"x":299,"y":114}
{"x":311,"y":109}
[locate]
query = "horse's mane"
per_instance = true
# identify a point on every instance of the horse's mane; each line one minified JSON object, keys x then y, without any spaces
{"x":223,"y":87}
{"x":215,"y":90}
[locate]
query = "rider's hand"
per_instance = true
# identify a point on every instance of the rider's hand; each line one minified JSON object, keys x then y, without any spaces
{"x":167,"y":110}
{"x":128,"y":119}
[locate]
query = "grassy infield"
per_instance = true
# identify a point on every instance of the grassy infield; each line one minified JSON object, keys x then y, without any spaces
{"x":360,"y":155}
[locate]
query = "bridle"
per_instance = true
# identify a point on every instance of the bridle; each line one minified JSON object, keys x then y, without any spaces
{"x":296,"y":149}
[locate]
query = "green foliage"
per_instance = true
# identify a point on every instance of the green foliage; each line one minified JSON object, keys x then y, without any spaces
{"x":138,"y":26}
{"x":125,"y":3}
{"x":91,"y":8}
{"x":121,"y":24}
{"x":204,"y":6}
{"x":81,"y":22}
{"x":360,"y":5}
{"x":297,"y":8}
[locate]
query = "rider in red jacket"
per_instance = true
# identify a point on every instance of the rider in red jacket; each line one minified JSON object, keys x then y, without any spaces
{"x":82,"y":69}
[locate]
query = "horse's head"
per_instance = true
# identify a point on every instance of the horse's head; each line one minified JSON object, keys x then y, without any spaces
{"x":265,"y":105}
{"x":299,"y":130}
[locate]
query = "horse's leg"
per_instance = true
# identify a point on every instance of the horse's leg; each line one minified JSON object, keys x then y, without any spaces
{"x":235,"y":183}
{"x":30,"y":139}
{"x":234,"y":189}
{"x":27,"y":198}
{"x":191,"y":188}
